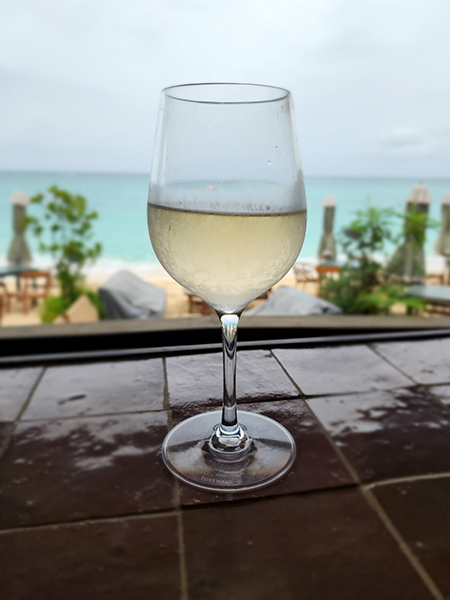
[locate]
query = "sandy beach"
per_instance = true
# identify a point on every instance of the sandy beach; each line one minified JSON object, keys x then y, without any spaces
{"x":177,"y":305}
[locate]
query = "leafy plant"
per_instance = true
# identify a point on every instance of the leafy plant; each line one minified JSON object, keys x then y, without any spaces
{"x":362,"y":286}
{"x":54,"y":306}
{"x":65,"y":229}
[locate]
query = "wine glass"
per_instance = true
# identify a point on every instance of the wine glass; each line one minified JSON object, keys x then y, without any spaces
{"x":227,"y":219}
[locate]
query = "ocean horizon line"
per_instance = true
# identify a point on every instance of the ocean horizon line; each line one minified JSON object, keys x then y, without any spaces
{"x":421,"y":179}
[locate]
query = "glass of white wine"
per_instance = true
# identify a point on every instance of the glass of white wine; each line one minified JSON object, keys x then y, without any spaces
{"x":227,"y":219}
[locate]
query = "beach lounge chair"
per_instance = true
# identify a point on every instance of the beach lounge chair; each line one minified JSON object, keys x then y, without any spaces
{"x":287,"y":301}
{"x":436,"y":297}
{"x":33,"y":285}
{"x":127,"y":296}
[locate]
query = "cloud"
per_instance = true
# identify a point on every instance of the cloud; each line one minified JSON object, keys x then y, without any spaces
{"x":406,"y":142}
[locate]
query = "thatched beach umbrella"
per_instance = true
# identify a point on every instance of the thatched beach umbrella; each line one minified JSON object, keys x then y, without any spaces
{"x":442,"y":245}
{"x":327,"y":246}
{"x":19,"y":251}
{"x":408,"y":261}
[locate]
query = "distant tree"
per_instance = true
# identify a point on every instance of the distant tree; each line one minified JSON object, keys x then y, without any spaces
{"x":65,"y":230}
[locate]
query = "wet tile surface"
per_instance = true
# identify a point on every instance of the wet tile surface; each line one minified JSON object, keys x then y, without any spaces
{"x":82,"y":483}
{"x":328,"y":545}
{"x":5,"y":431}
{"x":56,"y":471}
{"x":420,"y":512}
{"x":442,"y":392}
{"x":15,"y":388}
{"x":98,"y":388}
{"x":128,"y":559}
{"x":388,"y":434}
{"x":336,"y":370}
{"x":426,"y":361}
{"x":317,"y":465}
{"x":197,"y":379}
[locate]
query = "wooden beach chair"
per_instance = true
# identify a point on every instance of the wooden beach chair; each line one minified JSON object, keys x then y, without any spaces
{"x":33,"y":285}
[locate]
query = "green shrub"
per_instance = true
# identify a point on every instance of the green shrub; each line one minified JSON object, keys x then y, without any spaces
{"x":362,"y":286}
{"x":54,"y":306}
{"x":65,"y":231}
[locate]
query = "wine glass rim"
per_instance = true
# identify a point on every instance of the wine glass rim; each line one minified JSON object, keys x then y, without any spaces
{"x":284,"y":93}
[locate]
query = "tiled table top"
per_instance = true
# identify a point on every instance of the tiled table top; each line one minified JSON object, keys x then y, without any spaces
{"x":88,"y":510}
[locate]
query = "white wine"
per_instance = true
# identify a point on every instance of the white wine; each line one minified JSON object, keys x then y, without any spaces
{"x":228,"y":260}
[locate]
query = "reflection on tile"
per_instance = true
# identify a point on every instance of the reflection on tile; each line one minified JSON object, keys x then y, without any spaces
{"x":98,"y":388}
{"x":81,"y":468}
{"x":339,"y":369}
{"x":442,"y":392}
{"x":420,"y":511}
{"x":426,"y":361}
{"x":308,"y":547}
{"x":15,"y":387}
{"x":388,"y":434}
{"x":124,"y":559}
{"x":317,"y":466}
{"x":197,"y":379}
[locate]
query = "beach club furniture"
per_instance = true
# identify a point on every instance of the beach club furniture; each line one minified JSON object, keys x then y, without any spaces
{"x":127,"y":296}
{"x":437,"y":297}
{"x":442,"y":245}
{"x":287,"y":301}
{"x":327,"y":246}
{"x":81,"y":311}
{"x":305,"y":273}
{"x":19,"y":251}
{"x":408,"y":261}
{"x":14,"y":270}
{"x":33,"y":285}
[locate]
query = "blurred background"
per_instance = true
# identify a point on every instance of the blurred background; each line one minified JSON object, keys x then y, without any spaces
{"x":81,"y":83}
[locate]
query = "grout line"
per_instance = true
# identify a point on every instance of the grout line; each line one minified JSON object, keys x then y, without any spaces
{"x":336,"y":448}
{"x":386,"y":360}
{"x":182,"y":553}
{"x":30,"y":395}
{"x":286,"y":372}
{"x":322,"y":428}
{"x":408,"y":479}
{"x":91,"y":521}
{"x":4,"y":446}
{"x":166,"y":403}
{"x":435,"y":398}
{"x":409,"y":554}
{"x":176,"y":497}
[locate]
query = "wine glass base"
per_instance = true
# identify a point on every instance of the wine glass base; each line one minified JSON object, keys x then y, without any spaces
{"x":188,"y":455}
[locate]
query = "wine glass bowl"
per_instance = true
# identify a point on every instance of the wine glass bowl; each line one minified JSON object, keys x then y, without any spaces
{"x":227,"y":219}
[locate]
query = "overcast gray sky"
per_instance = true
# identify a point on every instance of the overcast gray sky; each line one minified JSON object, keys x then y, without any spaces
{"x":80,"y":79}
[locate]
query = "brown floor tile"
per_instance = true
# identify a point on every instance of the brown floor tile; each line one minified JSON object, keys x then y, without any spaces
{"x":309,"y":547}
{"x":317,"y":466}
{"x":15,"y":387}
{"x":319,"y":371}
{"x":135,"y":559}
{"x":420,"y":512}
{"x":98,"y":388}
{"x":197,"y":379}
{"x":388,"y":434}
{"x":426,"y":361}
{"x":442,"y":392}
{"x":55,"y":471}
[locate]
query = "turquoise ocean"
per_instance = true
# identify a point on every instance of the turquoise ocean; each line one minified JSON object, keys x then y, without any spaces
{"x":121,"y":201}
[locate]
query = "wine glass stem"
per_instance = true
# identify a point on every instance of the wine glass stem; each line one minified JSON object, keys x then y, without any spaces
{"x":229,"y":424}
